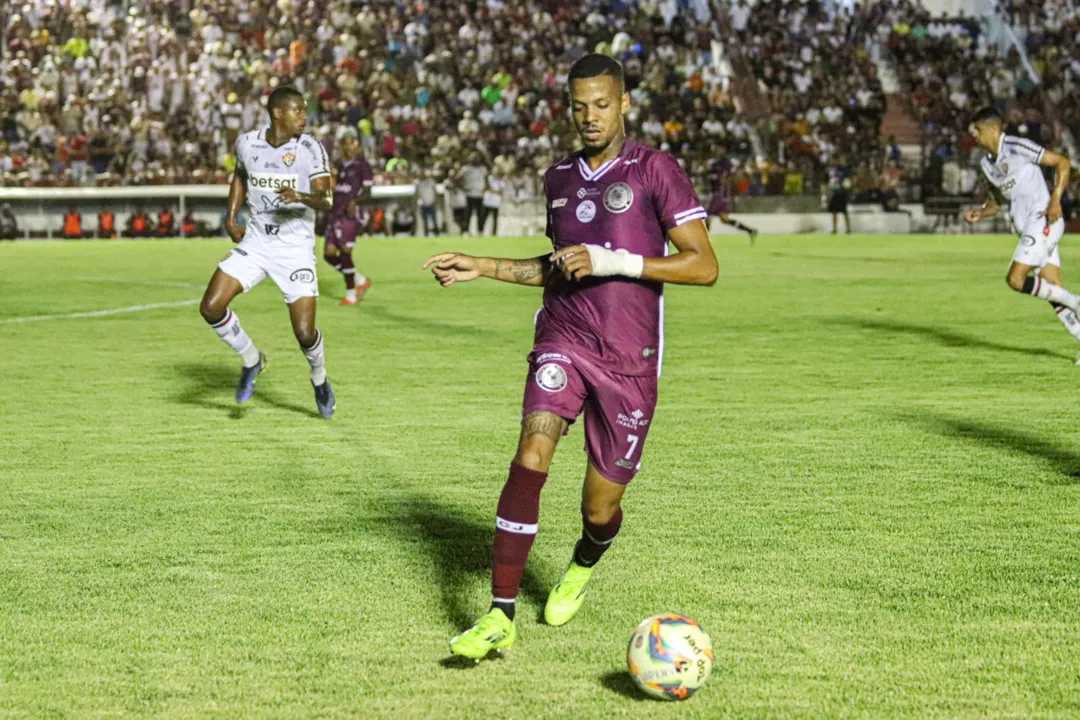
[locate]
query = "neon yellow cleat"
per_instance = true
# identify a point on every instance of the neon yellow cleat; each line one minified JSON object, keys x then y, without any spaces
{"x":566,"y":598}
{"x":493,"y":631}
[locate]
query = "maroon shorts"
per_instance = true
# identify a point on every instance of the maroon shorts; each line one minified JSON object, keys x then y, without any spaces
{"x":719,"y":205}
{"x":618,"y":408}
{"x":342,"y":232}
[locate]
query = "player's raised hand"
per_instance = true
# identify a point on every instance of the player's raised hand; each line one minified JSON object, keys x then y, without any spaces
{"x":449,"y":268}
{"x":574,"y":262}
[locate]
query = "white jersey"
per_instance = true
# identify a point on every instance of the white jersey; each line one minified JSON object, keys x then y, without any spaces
{"x":295,"y":164}
{"x":1017,"y":176}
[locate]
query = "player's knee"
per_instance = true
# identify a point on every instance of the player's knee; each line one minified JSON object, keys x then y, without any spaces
{"x":305,"y":334}
{"x":599,"y":512}
{"x":212,"y":310}
{"x":1015,"y":281}
{"x":535,"y":453}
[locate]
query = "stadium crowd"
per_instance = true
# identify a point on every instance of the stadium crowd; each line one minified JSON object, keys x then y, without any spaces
{"x":155,"y":94}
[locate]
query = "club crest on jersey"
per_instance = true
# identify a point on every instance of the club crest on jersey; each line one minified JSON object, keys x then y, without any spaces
{"x":586,"y":211}
{"x":288,"y":159}
{"x":618,"y":198}
{"x":551,"y":378}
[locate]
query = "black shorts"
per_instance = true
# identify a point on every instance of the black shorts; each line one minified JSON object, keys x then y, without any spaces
{"x":838,"y":201}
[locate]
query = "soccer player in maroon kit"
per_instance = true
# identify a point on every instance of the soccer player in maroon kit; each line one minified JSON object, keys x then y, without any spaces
{"x":720,"y":170}
{"x":352,"y":178}
{"x":612,"y":208}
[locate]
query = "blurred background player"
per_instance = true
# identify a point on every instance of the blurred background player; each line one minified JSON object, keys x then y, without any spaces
{"x":599,"y":336}
{"x":352,"y":179}
{"x":1013,"y":175}
{"x":836,"y":195}
{"x":720,"y":171}
{"x":283,"y":176}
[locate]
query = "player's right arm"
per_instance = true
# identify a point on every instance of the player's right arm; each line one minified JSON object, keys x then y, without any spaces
{"x":449,"y":268}
{"x":237,"y":198}
{"x":989,"y":208}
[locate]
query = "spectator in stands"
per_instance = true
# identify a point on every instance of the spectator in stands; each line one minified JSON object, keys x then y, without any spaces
{"x":890,"y":186}
{"x":166,"y":225}
{"x":426,"y":199}
{"x":473,"y":177}
{"x":9,"y":226}
{"x":138,"y":224}
{"x":72,"y":224}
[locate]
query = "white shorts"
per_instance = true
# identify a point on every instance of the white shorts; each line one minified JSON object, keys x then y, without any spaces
{"x":1036,"y":247}
{"x":291,"y":269}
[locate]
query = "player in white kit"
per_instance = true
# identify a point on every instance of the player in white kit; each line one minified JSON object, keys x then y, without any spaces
{"x":284,"y":177}
{"x":1013,"y":175}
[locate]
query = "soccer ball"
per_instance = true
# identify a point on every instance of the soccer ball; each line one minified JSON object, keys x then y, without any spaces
{"x":669,"y":656}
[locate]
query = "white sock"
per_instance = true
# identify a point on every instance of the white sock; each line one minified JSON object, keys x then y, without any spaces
{"x":1069,"y":320}
{"x":233,"y":334}
{"x":360,"y":279}
{"x":1055,"y":294}
{"x":350,"y":294}
{"x":317,"y":360}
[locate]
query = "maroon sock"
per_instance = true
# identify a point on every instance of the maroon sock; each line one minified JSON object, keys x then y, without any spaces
{"x":348,"y":269}
{"x":596,"y":539}
{"x":515,"y":529}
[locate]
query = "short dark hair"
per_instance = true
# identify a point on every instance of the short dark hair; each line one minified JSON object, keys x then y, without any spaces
{"x":988,"y":115}
{"x":281,"y":97}
{"x":595,"y":65}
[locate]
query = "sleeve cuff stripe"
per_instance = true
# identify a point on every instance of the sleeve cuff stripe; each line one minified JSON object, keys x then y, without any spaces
{"x":696,"y":216}
{"x":691,"y":211}
{"x":318,"y":175}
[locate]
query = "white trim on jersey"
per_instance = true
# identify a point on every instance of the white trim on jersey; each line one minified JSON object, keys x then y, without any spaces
{"x":1034,"y":148}
{"x":594,"y":175}
{"x":660,"y":335}
{"x":686,"y":216}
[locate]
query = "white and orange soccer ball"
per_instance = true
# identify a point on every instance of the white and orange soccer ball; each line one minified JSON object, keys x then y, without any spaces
{"x":669,"y":656}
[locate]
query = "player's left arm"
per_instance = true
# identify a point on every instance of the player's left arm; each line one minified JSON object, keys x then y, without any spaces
{"x":694,"y":264}
{"x":1062,"y":168}
{"x":321,"y":196}
{"x":683,"y":221}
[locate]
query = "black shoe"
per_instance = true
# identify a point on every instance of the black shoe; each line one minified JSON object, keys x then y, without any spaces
{"x":324,"y":399}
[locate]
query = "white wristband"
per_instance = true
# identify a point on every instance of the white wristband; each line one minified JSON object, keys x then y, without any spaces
{"x":615,"y":262}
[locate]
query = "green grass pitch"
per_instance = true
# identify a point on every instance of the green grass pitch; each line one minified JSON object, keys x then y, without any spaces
{"x":862,"y":480}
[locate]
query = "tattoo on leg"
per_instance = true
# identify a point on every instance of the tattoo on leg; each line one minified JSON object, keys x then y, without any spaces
{"x":543,"y":423}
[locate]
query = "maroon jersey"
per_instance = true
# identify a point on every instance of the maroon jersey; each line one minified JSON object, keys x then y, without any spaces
{"x":720,"y":171}
{"x":629,"y":203}
{"x":352,"y":178}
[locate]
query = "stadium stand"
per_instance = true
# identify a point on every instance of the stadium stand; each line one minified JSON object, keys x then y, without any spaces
{"x":136,"y":92}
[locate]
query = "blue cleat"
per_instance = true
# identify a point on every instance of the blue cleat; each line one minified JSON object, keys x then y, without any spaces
{"x":246,"y":387}
{"x":324,"y":399}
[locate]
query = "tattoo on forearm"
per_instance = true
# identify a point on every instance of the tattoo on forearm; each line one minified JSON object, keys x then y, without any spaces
{"x":543,"y":423}
{"x":519,"y":271}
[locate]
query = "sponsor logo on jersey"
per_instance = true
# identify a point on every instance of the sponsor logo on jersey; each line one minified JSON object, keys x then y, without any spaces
{"x":618,"y":198}
{"x":272,"y":181}
{"x":582,"y":193}
{"x":553,"y":356}
{"x":1004,"y":167}
{"x":288,"y":158}
{"x":558,"y":203}
{"x":586,"y":211}
{"x":551,"y":377}
{"x":304,"y":275}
